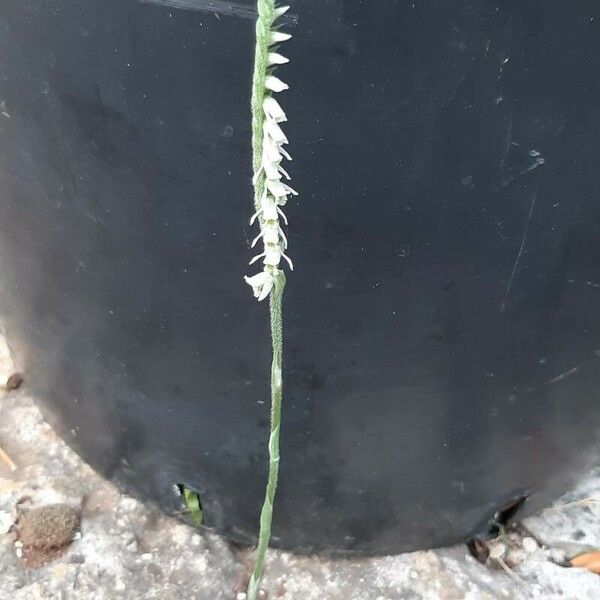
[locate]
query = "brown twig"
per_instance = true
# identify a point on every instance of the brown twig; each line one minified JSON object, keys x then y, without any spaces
{"x":574,"y":503}
{"x":7,"y":459}
{"x":510,"y":572}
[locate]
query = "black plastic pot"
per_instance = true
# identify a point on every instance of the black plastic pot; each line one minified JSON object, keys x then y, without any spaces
{"x":443,"y":322}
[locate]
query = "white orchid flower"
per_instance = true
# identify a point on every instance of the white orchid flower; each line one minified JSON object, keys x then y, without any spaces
{"x":271,"y":151}
{"x":262,"y":283}
{"x":272,"y":170}
{"x":272,"y":130}
{"x":274,"y":58}
{"x":280,"y":11}
{"x":271,"y":234}
{"x":275,"y":84}
{"x":273,"y":110}
{"x":278,"y":36}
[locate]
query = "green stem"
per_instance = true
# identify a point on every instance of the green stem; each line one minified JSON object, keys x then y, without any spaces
{"x":266,"y":515}
{"x":264,"y":26}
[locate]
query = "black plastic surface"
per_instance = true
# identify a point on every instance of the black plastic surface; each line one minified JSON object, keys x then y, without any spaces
{"x":443,"y":321}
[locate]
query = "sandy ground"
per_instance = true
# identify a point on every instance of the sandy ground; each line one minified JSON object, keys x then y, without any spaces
{"x":123,"y":549}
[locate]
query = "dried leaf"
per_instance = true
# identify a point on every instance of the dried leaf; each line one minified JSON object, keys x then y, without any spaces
{"x":589,"y":561}
{"x":7,"y":459}
{"x":479,"y":549}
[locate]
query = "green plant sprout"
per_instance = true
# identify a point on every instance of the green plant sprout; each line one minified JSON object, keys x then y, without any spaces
{"x":192,"y":503}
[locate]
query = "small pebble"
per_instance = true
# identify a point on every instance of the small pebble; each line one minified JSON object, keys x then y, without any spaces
{"x":51,"y":526}
{"x":77,"y":559}
{"x":515,"y":557}
{"x":6,"y":521}
{"x":557,"y":555}
{"x":497,"y":551}
{"x":13,"y":382}
{"x":529,"y":545}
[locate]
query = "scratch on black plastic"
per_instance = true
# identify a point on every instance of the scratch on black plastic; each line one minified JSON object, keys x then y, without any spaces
{"x":219,"y":7}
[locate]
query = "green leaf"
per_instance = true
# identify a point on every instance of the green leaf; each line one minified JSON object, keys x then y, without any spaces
{"x":192,"y":503}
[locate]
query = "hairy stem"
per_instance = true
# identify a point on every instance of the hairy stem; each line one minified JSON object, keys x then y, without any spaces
{"x":266,"y":515}
{"x":264,"y":27}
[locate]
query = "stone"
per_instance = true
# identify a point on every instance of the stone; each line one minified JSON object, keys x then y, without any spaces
{"x":529,"y":545}
{"x":47,"y":527}
{"x":6,"y":521}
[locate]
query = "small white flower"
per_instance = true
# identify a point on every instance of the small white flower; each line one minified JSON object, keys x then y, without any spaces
{"x":277,"y":188}
{"x":283,"y":172}
{"x":272,"y":256}
{"x":290,"y":190}
{"x":261,"y":283}
{"x":271,"y":233}
{"x":274,"y":58}
{"x":275,"y":84}
{"x":275,"y":132}
{"x":271,"y":169}
{"x":271,"y":151}
{"x":280,"y":189}
{"x":268,"y":207}
{"x":278,"y":37}
{"x":280,"y":11}
{"x":285,"y":154}
{"x":273,"y":111}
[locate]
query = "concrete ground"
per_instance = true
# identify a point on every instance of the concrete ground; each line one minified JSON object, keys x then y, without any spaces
{"x":126,"y":550}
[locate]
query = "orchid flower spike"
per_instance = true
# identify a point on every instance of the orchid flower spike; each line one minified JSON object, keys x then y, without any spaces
{"x":270,"y":191}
